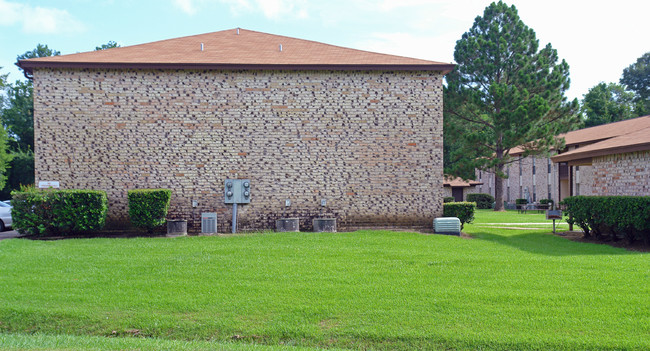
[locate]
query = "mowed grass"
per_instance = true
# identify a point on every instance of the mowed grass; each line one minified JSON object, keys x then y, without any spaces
{"x":503,"y":289}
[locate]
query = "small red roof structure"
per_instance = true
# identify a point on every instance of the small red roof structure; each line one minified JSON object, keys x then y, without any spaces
{"x":236,"y":49}
{"x":459,"y":182}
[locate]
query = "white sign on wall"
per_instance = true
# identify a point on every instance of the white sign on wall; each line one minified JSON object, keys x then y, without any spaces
{"x":48,"y":184}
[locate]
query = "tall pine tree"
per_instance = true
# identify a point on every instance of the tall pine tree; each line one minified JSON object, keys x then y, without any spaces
{"x":504,"y":93}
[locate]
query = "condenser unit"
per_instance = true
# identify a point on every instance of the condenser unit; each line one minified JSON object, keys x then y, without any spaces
{"x":446,"y":225}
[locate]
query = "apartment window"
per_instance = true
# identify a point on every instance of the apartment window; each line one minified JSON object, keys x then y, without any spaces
{"x":533,"y":165}
{"x":534,"y":193}
{"x":549,"y":166}
{"x":577,"y":180}
{"x":549,"y":191}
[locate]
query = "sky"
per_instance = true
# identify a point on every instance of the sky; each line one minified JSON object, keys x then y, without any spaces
{"x":598,"y":39}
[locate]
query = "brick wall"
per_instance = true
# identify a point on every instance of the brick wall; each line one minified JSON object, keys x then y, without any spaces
{"x":622,"y":174}
{"x":370,"y":143}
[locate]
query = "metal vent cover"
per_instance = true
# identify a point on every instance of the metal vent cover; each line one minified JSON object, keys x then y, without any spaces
{"x":208,"y":222}
{"x":446,"y":225}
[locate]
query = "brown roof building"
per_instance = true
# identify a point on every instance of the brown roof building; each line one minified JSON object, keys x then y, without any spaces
{"x":340,"y":133}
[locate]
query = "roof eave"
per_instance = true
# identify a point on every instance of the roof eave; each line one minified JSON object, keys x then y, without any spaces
{"x":600,"y":152}
{"x":29,"y":66}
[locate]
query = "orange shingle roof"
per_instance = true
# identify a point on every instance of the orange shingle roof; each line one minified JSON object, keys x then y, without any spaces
{"x":636,"y":140}
{"x":236,"y":48}
{"x":598,"y":133}
{"x":459,"y":182}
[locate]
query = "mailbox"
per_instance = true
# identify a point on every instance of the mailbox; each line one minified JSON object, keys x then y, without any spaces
{"x":237,"y":191}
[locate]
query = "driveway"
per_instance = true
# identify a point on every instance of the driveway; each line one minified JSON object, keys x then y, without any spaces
{"x":8,"y":234}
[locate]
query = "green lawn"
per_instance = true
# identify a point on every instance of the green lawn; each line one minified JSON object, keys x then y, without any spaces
{"x":503,"y":289}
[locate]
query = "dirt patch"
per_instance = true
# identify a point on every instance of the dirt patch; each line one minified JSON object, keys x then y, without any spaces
{"x":578,"y":236}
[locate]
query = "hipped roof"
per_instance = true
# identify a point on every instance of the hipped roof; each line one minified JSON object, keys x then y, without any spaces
{"x":459,"y":182}
{"x":598,"y":133}
{"x":629,"y":136}
{"x":236,"y":49}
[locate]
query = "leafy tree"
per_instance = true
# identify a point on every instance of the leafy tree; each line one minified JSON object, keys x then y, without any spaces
{"x":504,"y":93}
{"x":637,"y":79}
{"x":18,"y":116}
{"x":607,"y":103}
{"x":40,"y":51}
{"x":111,"y":44}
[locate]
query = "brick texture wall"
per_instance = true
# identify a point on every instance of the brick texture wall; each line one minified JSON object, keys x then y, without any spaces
{"x":622,"y":174}
{"x":370,"y":143}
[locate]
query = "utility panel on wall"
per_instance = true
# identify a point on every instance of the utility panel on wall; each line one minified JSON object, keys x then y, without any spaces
{"x":237,"y":191}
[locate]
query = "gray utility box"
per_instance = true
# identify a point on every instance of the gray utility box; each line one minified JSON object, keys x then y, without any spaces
{"x":324,"y":225}
{"x":176,"y":227}
{"x":208,"y":222}
{"x":446,"y":225}
{"x":287,"y":225}
{"x":237,"y":191}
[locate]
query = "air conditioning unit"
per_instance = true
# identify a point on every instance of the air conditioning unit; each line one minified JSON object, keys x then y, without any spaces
{"x":209,"y":223}
{"x":446,"y":225}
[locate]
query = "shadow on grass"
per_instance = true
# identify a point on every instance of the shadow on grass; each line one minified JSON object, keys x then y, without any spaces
{"x":550,"y":245}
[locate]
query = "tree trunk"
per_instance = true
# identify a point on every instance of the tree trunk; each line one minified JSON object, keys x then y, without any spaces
{"x":498,"y":189}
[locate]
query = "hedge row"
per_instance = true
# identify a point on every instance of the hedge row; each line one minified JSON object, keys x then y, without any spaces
{"x":483,"y":201}
{"x":58,"y":212}
{"x":611,"y":217}
{"x":148,"y":207}
{"x":463,"y":210}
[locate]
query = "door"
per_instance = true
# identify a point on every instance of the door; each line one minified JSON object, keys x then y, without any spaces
{"x":457,"y":193}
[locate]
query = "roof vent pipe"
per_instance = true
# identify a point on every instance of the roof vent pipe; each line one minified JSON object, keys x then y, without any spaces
{"x":280,"y":47}
{"x":201,"y":46}
{"x":237,"y":31}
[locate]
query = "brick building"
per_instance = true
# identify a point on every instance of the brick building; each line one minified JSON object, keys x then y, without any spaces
{"x":304,"y":121}
{"x":610,"y":159}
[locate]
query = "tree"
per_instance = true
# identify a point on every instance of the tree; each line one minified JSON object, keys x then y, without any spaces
{"x":111,"y":44}
{"x":636,"y":77}
{"x":607,"y":103}
{"x":40,"y":51}
{"x":504,"y":93}
{"x":18,"y":116}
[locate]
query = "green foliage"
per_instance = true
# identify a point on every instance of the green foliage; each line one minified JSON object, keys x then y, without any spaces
{"x":636,"y":78}
{"x":148,"y":207}
{"x":58,"y":212}
{"x":483,"y":201}
{"x":521,"y":201}
{"x":111,"y":44}
{"x":40,"y":51}
{"x":607,"y":103}
{"x":447,"y":199}
{"x":611,"y":217}
{"x":546,"y":201}
{"x":463,"y":210}
{"x":18,"y":116}
{"x":505,"y":92}
{"x":20,"y":172}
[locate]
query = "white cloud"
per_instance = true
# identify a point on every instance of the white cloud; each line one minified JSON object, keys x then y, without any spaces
{"x":38,"y":20}
{"x":186,"y":6}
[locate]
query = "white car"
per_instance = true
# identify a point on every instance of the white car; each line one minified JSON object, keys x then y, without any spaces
{"x":5,"y":216}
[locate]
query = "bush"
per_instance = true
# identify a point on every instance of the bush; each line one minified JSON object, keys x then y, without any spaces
{"x":448,"y":199}
{"x":58,"y":212}
{"x":483,"y":201}
{"x":546,"y":201}
{"x":148,"y":207}
{"x":611,"y":216}
{"x":463,"y":210}
{"x":521,"y":201}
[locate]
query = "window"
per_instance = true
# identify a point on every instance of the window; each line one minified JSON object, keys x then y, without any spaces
{"x":533,"y":165}
{"x":534,"y":193}
{"x":549,"y":166}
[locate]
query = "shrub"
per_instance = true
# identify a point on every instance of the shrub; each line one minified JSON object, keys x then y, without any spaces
{"x":148,"y":207}
{"x":613,"y":216}
{"x":58,"y":212}
{"x":463,"y":210}
{"x":483,"y":201}
{"x":521,"y":201}
{"x":546,"y":201}
{"x":448,"y":199}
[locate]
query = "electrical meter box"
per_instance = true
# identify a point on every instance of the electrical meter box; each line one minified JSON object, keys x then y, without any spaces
{"x":237,"y":191}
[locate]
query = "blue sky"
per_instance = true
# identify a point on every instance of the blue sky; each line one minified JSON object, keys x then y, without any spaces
{"x":597,"y":38}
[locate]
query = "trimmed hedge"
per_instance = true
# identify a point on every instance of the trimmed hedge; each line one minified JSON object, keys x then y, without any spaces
{"x":483,"y":201}
{"x":546,"y":201}
{"x":463,"y":210}
{"x":58,"y":212}
{"x":148,"y":207}
{"x":448,"y":199}
{"x":611,"y":217}
{"x":521,"y":201}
